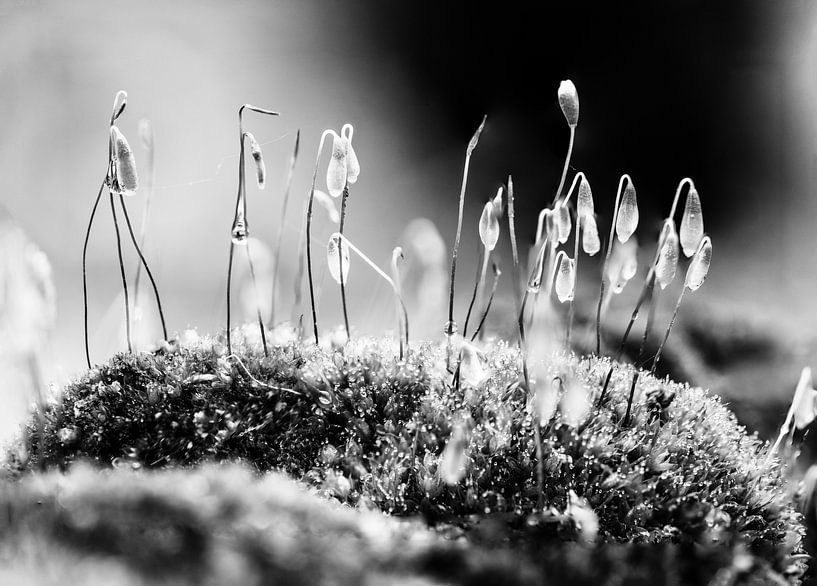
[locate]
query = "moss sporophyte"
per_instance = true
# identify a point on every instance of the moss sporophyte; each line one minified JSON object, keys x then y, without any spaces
{"x":545,"y":444}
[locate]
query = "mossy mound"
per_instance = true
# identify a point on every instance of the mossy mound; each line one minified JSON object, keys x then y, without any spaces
{"x":222,"y":524}
{"x":370,"y":430}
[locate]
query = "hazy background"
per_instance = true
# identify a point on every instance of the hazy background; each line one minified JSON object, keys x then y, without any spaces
{"x":723,"y":92}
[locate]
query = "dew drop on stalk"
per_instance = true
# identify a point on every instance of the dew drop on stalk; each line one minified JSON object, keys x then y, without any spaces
{"x":127,"y":181}
{"x":563,"y":222}
{"x":668,"y":256}
{"x":565,"y":277}
{"x":692,"y":223}
{"x":488,"y":226}
{"x":590,"y":236}
{"x":240,"y":233}
{"x":699,"y":265}
{"x":627,"y":220}
{"x":584,"y":204}
{"x":333,"y":259}
{"x":336,"y":172}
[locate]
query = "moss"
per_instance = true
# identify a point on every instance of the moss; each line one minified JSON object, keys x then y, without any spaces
{"x":369,"y":430}
{"x":221,"y":524}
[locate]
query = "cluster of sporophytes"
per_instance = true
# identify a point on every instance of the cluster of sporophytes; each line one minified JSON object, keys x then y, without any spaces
{"x":546,"y":445}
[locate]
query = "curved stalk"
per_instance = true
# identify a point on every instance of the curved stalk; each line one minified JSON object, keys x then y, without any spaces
{"x":607,"y":259}
{"x":84,"y":271}
{"x":497,"y":273}
{"x":122,"y":272}
{"x":145,"y":264}
{"x":567,"y":163}
{"x":309,"y":236}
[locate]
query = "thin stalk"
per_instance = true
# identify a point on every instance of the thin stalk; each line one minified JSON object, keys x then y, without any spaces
{"x":482,"y":267}
{"x":145,"y":213}
{"x":257,"y":301}
{"x":145,"y":264}
{"x":298,"y":285}
{"x":84,"y":269}
{"x":380,"y":272}
{"x":657,"y":358}
{"x":451,"y":326}
{"x":309,"y":236}
{"x":122,"y":271}
{"x":497,"y":273}
{"x":343,"y":200}
{"x":641,"y":350}
{"x":397,"y":253}
{"x":567,"y":164}
{"x":242,"y":197}
{"x":571,"y":308}
{"x":607,"y":259}
{"x":514,"y":251}
{"x":287,"y":187}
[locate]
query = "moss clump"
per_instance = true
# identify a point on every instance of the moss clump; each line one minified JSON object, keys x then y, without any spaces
{"x":221,"y":524}
{"x":369,"y":430}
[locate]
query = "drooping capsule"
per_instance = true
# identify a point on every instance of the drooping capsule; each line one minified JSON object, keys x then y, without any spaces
{"x":804,"y":403}
{"x":471,"y":371}
{"x":699,"y":265}
{"x":488,"y":226}
{"x":328,"y":204}
{"x":563,"y":223}
{"x":575,"y":404}
{"x":590,"y":236}
{"x":623,"y":265}
{"x":352,"y":163}
{"x":565,"y":277}
{"x":258,"y":157}
{"x":569,"y":102}
{"x":239,"y":232}
{"x":333,"y":258}
{"x":692,"y":223}
{"x":547,"y":399}
{"x":454,"y":459}
{"x":667,"y":256}
{"x":535,"y":280}
{"x":146,"y":134}
{"x":627,"y":220}
{"x":336,"y":172}
{"x":584,"y":204}
{"x":127,"y":182}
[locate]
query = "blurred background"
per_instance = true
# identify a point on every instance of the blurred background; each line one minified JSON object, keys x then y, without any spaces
{"x":722,"y":92}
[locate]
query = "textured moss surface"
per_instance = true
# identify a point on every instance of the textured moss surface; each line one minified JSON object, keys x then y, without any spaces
{"x":370,"y":430}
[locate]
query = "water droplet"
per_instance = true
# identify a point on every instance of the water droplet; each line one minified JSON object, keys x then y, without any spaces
{"x":699,"y":265}
{"x":240,"y":233}
{"x":590,"y":236}
{"x":668,"y":256}
{"x":336,"y":172}
{"x":692,"y":223}
{"x":488,"y":226}
{"x":627,"y":220}
{"x":450,"y":328}
{"x":333,"y":258}
{"x":565,"y":277}
{"x":584,"y":204}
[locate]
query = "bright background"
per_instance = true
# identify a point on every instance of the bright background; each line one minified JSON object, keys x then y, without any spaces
{"x":725,"y":94}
